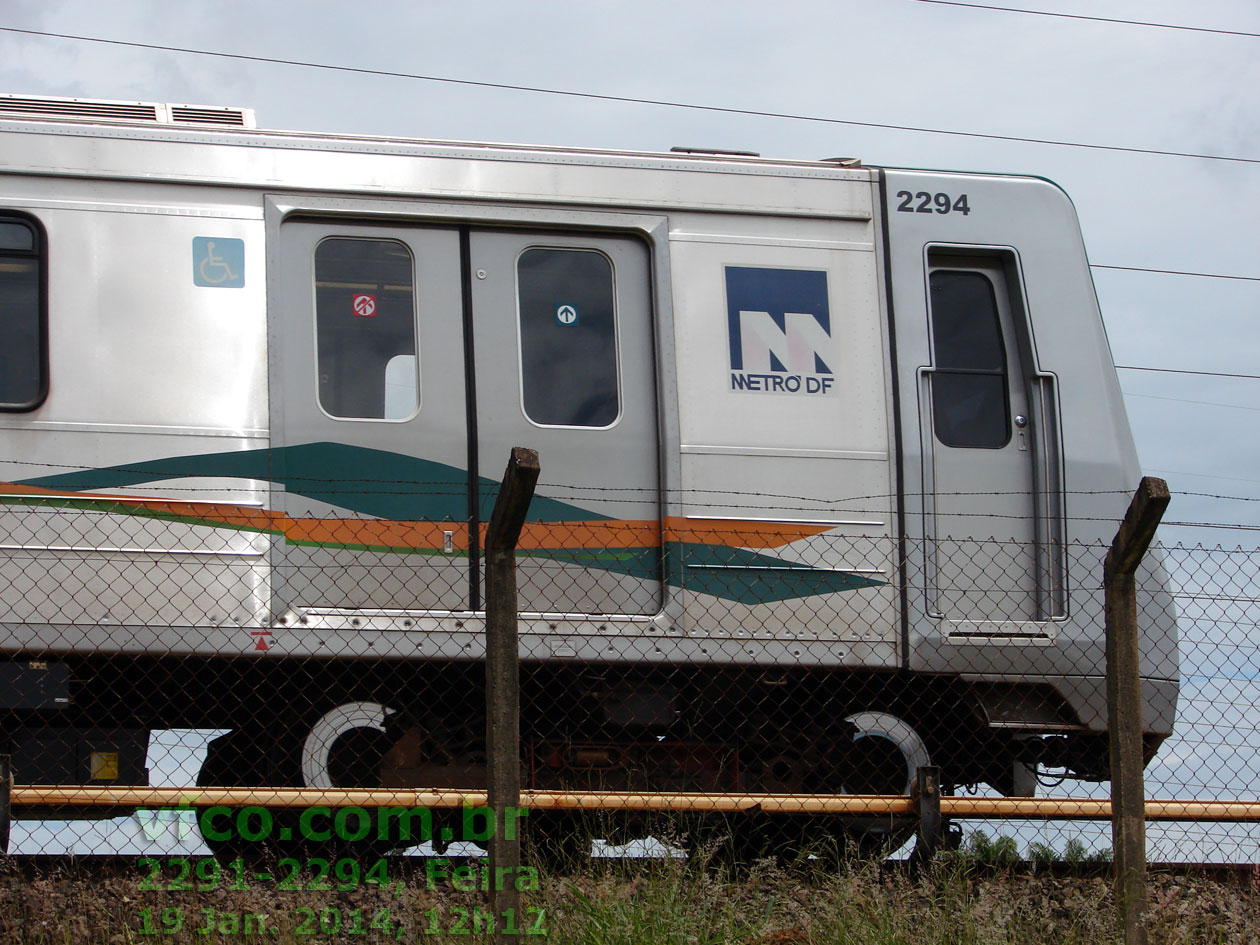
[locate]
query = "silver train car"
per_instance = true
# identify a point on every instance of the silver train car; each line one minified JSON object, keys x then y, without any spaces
{"x":830,"y":456}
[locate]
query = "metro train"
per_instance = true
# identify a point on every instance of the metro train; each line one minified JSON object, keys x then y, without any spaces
{"x":830,"y":458}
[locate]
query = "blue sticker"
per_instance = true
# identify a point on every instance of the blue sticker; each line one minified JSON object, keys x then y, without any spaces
{"x":779,"y":325}
{"x":566,"y":314}
{"x":218,"y":262}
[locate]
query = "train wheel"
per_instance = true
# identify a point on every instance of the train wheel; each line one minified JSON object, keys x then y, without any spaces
{"x":343,"y":748}
{"x":885,"y":757}
{"x":235,"y":759}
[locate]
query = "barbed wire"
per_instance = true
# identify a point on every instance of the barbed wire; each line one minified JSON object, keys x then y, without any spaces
{"x":458,"y":488}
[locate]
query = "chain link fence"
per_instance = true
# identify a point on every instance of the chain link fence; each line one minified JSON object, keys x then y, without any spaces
{"x":202,"y":642}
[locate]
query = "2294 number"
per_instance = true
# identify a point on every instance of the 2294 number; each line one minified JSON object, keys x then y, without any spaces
{"x":931,"y":203}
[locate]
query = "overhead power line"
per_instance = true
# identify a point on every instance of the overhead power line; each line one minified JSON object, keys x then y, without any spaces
{"x":1096,"y":19}
{"x":626,"y":99}
{"x":1182,"y":400}
{"x":1198,"y":475}
{"x":1179,"y":272}
{"x":1165,"y":370}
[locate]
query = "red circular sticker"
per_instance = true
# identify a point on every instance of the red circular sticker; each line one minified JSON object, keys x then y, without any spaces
{"x":364,"y":306}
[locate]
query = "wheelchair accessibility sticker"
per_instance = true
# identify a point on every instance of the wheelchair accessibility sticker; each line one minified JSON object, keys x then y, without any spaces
{"x":218,"y":262}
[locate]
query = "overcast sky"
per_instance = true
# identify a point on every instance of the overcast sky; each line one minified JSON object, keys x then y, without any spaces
{"x":897,"y":62}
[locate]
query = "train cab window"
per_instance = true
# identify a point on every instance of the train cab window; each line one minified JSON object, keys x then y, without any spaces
{"x":365,"y":327}
{"x":568,"y":337}
{"x":970,"y":400}
{"x":23,"y":325}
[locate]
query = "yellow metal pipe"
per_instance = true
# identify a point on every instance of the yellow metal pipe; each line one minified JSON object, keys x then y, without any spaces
{"x":40,"y":795}
{"x":1036,"y":807}
{"x":48,"y":795}
{"x":1203,"y":810}
{"x":973,"y":807}
{"x":1065,"y":808}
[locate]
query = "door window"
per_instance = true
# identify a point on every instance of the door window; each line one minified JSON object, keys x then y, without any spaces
{"x":567,"y":312}
{"x":970,"y":399}
{"x":365,"y":326}
{"x":23,"y":359}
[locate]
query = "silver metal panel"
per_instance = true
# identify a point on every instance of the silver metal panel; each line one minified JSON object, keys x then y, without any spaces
{"x":453,"y":638}
{"x":65,"y":566}
{"x":77,"y":555}
{"x":143,"y":429}
{"x":773,"y":459}
{"x":146,"y":345}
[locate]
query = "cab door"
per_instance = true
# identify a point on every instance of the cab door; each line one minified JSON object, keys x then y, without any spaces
{"x":991,"y":546}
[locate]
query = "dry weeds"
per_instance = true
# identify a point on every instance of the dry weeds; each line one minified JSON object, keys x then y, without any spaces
{"x":647,"y":903}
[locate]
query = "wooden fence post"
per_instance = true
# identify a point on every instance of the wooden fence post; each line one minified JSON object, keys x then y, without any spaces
{"x":503,"y":685}
{"x":6,"y":809}
{"x":931,"y":833}
{"x":1124,"y":705}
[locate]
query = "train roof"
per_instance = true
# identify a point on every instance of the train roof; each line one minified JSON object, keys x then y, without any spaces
{"x":218,"y":118}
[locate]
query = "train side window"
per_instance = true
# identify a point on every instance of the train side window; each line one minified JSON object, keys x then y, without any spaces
{"x":365,"y":329}
{"x":970,"y":399}
{"x":23,"y":314}
{"x":567,"y":311}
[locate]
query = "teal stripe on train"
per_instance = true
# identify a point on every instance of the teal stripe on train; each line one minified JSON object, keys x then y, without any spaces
{"x":395,"y":486}
{"x":372,"y":482}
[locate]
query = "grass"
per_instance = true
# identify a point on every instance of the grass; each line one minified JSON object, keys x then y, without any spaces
{"x":670,"y":903}
{"x":967,"y":899}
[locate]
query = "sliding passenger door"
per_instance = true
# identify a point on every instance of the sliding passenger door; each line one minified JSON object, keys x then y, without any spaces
{"x":564,"y":364}
{"x":369,"y":420}
{"x":381,"y":502}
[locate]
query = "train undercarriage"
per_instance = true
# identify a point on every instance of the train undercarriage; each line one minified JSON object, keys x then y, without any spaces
{"x":584,"y":727}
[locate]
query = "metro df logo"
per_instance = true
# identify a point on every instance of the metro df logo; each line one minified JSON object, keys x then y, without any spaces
{"x":780,"y":330}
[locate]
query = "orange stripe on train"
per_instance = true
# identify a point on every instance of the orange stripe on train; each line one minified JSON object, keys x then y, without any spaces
{"x":384,"y":533}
